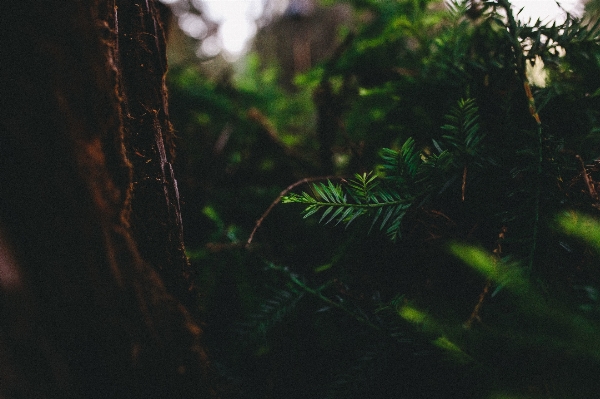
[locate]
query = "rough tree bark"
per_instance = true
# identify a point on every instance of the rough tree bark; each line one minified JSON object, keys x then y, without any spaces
{"x":92,"y":267}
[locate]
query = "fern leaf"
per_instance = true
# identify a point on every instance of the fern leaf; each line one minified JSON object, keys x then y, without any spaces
{"x":344,"y":215}
{"x":388,"y":214}
{"x":410,"y":156}
{"x":464,"y":137}
{"x":362,"y":186}
{"x":364,"y":194}
{"x":318,"y":191}
{"x":327,"y":212}
{"x":336,"y":213}
{"x":356,"y":214}
{"x":310,"y":210}
{"x":271,"y":312}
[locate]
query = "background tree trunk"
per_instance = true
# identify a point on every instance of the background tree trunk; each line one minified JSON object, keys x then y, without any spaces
{"x":89,"y":214}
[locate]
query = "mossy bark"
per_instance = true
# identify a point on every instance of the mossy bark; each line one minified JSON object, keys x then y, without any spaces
{"x":92,"y":267}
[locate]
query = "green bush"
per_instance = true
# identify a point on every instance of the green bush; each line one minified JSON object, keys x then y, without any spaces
{"x":456,"y":135}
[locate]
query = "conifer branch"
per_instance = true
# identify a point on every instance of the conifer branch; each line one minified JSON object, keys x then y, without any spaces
{"x":359,"y":196}
{"x":317,"y":293}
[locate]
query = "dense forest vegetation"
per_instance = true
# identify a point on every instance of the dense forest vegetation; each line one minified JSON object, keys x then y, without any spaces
{"x":445,"y":159}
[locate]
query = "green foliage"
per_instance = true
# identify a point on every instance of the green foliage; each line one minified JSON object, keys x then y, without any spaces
{"x":581,"y":226}
{"x":497,"y":158}
{"x":364,"y":194}
{"x":463,"y":131}
{"x":270,"y":313}
{"x":443,"y":271}
{"x":570,"y":330}
{"x":501,"y":140}
{"x":409,"y":174}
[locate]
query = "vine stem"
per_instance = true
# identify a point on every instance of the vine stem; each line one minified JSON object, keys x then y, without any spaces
{"x":278,"y":200}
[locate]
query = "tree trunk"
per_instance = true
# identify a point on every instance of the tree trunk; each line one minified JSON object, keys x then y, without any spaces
{"x":92,"y":266}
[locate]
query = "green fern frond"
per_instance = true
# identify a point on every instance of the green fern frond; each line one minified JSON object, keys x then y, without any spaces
{"x":463,"y":129}
{"x":271,"y":312}
{"x":362,"y":186}
{"x":330,"y":192}
{"x":366,"y":196}
{"x":405,"y":162}
{"x":409,"y":173}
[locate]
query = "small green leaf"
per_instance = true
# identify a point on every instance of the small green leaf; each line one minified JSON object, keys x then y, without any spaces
{"x":327,"y":212}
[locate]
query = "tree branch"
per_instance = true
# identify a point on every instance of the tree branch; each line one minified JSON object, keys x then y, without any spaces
{"x":280,"y":196}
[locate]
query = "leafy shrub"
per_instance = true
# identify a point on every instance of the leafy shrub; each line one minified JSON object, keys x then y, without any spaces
{"x":456,"y":135}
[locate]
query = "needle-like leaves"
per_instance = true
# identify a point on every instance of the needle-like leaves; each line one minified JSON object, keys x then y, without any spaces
{"x":366,"y":196}
{"x":408,"y":173}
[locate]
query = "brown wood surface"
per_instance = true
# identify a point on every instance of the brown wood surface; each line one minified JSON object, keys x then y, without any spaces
{"x":92,"y":267}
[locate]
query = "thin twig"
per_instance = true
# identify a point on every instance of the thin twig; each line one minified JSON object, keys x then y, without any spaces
{"x":586,"y":179}
{"x":280,"y":196}
{"x":440,"y":213}
{"x":215,"y":247}
{"x":464,"y":183}
{"x":475,"y":315}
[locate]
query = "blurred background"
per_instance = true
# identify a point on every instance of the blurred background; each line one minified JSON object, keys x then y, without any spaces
{"x":264,"y":93}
